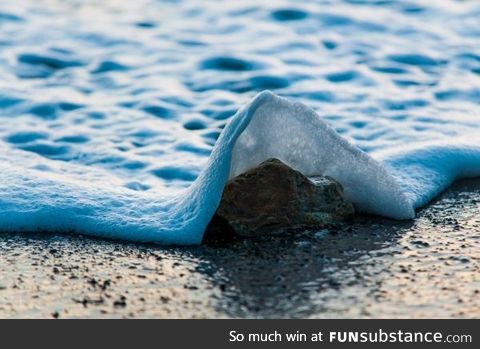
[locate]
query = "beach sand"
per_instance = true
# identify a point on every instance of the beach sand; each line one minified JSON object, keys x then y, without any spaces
{"x":373,"y":267}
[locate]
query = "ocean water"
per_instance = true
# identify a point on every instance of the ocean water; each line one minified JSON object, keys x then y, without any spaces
{"x":124,"y":119}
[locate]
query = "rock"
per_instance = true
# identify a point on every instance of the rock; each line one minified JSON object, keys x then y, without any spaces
{"x":219,"y":232}
{"x":273,"y":197}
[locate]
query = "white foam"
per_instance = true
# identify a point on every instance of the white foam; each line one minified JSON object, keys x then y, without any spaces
{"x":37,"y":194}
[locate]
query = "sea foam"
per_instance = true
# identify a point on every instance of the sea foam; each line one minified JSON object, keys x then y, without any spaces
{"x":125,"y":122}
{"x":49,"y":196}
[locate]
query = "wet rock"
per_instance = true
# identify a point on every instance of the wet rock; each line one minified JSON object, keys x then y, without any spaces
{"x":219,"y":232}
{"x":273,"y":197}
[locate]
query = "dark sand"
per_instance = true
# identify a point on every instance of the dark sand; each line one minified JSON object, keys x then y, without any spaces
{"x":428,"y":267}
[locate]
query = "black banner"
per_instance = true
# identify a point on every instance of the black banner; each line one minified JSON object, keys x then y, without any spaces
{"x":241,"y":333}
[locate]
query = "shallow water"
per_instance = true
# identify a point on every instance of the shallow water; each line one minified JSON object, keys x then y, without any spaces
{"x":120,"y":103}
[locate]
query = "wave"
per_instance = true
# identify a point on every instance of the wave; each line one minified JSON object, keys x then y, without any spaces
{"x":391,"y":183}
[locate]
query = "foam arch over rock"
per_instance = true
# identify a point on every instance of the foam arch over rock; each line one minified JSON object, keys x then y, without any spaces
{"x":391,"y":184}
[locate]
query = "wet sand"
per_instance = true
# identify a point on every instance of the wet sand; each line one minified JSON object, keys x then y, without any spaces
{"x":373,"y":267}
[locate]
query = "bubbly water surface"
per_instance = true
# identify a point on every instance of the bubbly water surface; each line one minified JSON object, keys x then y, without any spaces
{"x":110,"y":110}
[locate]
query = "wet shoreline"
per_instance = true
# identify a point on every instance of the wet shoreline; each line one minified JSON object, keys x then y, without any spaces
{"x":372,"y":267}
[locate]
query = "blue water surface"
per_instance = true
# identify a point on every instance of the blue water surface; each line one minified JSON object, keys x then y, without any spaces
{"x":109,"y":110}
